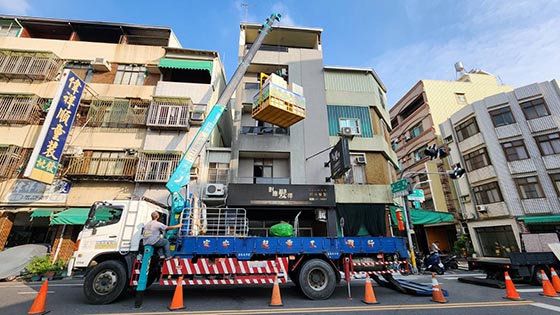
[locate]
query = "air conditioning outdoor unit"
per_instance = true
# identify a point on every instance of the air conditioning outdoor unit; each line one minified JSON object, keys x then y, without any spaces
{"x":482,"y":209}
{"x":360,"y":160}
{"x":215,"y":190}
{"x":346,"y":131}
{"x":407,"y":137}
{"x":101,"y":64}
{"x":197,"y":116}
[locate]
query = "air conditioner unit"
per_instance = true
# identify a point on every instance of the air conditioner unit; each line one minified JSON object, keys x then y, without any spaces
{"x":407,"y":137}
{"x":360,"y":160}
{"x":215,"y":190}
{"x":101,"y":64}
{"x":482,"y":209}
{"x":197,"y":116}
{"x":346,"y":131}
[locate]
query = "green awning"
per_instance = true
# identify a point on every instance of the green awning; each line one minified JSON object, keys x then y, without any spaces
{"x":42,"y":213}
{"x":540,"y":219}
{"x":186,"y":64}
{"x":71,"y":216}
{"x":423,"y":217}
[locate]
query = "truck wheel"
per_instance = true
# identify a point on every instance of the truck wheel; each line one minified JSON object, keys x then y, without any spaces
{"x":105,"y":282}
{"x":317,"y":279}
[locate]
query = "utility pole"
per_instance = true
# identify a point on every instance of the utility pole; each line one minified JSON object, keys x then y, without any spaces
{"x":246,"y":6}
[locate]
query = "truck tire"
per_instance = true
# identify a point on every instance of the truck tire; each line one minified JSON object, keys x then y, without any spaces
{"x":317,"y":280}
{"x":105,"y":282}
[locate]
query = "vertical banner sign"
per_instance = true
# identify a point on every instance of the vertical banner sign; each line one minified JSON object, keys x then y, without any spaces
{"x":48,"y":150}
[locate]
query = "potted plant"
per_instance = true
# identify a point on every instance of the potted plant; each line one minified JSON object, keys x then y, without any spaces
{"x":43,"y":267}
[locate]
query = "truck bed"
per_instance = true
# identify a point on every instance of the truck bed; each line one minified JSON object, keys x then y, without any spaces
{"x":245,"y":247}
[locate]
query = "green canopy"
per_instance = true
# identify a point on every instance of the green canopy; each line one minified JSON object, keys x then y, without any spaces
{"x":423,"y":217}
{"x":71,"y":216}
{"x":42,"y":213}
{"x":186,"y":64}
{"x":540,"y":219}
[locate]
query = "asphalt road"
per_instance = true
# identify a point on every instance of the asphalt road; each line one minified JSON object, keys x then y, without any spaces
{"x":65,"y":297}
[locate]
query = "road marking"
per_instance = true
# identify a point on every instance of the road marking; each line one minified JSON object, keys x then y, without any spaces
{"x":33,"y":292}
{"x":40,"y":284}
{"x":529,"y":290}
{"x":347,"y":309}
{"x":548,"y":307}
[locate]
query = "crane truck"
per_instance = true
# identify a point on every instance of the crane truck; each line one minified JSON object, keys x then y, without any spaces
{"x":213,"y":246}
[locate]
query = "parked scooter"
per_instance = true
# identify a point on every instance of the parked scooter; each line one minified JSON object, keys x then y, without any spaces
{"x":450,"y":262}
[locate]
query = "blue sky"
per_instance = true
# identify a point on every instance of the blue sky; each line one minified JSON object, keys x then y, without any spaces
{"x":403,"y":40}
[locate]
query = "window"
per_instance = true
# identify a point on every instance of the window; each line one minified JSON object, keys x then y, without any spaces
{"x":496,"y":241}
{"x":502,"y":117}
{"x":461,"y":98}
{"x":477,"y":159}
{"x":358,"y":173}
{"x":416,"y":130}
{"x":549,"y":144}
{"x":130,"y":75}
{"x":381,"y":98}
{"x":467,"y":129}
{"x":218,"y":173}
{"x":535,"y":108}
{"x":419,"y":154}
{"x":529,"y":187}
{"x":81,"y":69}
{"x":262,"y":171}
{"x":104,"y":215}
{"x":556,"y":182}
{"x":487,"y":193}
{"x":252,"y":85}
{"x":353,"y":123}
{"x":515,"y":150}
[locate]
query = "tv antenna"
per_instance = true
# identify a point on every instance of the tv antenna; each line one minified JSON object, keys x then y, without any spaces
{"x":246,"y":6}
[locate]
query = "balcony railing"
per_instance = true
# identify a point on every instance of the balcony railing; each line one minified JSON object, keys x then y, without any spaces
{"x":30,"y":65}
{"x":12,"y":160}
{"x":264,"y":180}
{"x":117,"y":113}
{"x":170,"y":113}
{"x":252,"y":130}
{"x":104,"y":168}
{"x":21,"y":109}
{"x":156,"y":167}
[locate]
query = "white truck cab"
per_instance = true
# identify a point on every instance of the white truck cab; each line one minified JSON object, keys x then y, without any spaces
{"x":112,"y":227}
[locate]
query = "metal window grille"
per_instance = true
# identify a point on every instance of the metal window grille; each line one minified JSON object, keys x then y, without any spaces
{"x":215,"y":222}
{"x":169,"y":112}
{"x":29,"y":65}
{"x":121,"y":113}
{"x":12,"y":161}
{"x":156,"y":167}
{"x":102,"y":164}
{"x":20,"y":109}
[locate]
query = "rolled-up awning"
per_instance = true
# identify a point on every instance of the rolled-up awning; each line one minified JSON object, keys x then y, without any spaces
{"x":71,"y":216}
{"x":423,"y":217}
{"x":186,"y":64}
{"x":540,"y":219}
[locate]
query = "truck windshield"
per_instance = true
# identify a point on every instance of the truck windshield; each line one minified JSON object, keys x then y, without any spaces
{"x":101,"y":215}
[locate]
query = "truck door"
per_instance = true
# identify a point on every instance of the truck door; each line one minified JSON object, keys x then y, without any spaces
{"x":102,"y":229}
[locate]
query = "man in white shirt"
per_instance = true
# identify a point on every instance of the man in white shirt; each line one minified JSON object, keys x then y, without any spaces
{"x":153,"y":232}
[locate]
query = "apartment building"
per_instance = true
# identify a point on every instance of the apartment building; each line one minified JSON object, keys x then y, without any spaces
{"x":415,"y":119}
{"x":356,"y":102}
{"x":145,"y":98}
{"x":510,"y":146}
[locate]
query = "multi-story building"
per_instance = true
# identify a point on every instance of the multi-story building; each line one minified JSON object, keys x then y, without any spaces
{"x":144,"y":100}
{"x":356,"y":101}
{"x":415,"y":119}
{"x":510,"y":146}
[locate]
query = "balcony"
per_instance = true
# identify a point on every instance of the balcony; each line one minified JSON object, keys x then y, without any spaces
{"x":12,"y":161}
{"x":29,"y":65}
{"x":169,"y":113}
{"x":21,"y":109}
{"x":117,"y":113}
{"x":115,"y":166}
{"x":157,"y":167}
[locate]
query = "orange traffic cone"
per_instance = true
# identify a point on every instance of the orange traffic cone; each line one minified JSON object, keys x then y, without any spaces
{"x":276,"y":299}
{"x":369,"y":296}
{"x":548,"y":289}
{"x":38,"y":306}
{"x":511,"y":292}
{"x":177,"y":302}
{"x":437,"y":294}
{"x":555,"y":279}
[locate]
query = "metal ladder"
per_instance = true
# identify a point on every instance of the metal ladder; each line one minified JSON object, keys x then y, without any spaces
{"x":128,"y":229}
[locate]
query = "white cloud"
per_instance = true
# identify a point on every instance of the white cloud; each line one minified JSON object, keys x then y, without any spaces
{"x":17,"y":7}
{"x":519,"y":53}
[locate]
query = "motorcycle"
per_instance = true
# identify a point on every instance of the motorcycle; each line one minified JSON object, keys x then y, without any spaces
{"x":450,"y":262}
{"x":433,"y":263}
